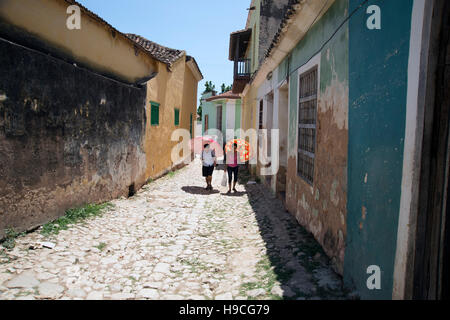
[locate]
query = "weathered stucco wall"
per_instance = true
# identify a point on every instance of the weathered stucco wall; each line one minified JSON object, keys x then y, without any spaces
{"x":171,"y":89}
{"x":321,"y":207}
{"x":67,"y":138}
{"x":249,"y":115}
{"x":189,"y":105}
{"x":378,"y":77}
{"x":254,"y":23}
{"x":41,"y":24}
{"x":271,"y":14}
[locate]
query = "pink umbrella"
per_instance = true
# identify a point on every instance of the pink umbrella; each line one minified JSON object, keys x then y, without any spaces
{"x":198,"y":143}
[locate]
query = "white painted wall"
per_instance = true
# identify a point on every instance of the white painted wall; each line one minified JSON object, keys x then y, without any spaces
{"x":231,"y":114}
{"x":412,"y":151}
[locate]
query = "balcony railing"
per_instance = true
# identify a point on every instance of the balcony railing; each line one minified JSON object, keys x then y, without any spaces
{"x":242,"y":68}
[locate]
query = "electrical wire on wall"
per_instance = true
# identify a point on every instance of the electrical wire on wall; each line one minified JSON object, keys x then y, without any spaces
{"x":329,"y":39}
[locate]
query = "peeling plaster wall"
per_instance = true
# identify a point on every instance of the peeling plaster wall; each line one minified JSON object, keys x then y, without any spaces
{"x":67,"y":138}
{"x":322,"y":207}
{"x":271,"y":14}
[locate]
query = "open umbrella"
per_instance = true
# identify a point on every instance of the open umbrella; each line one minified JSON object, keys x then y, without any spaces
{"x":243,"y":148}
{"x":197,"y":144}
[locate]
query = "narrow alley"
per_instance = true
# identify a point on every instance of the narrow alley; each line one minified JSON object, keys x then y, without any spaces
{"x":172,"y":241}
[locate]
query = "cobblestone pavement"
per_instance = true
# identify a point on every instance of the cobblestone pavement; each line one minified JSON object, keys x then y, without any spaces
{"x":173,"y":240}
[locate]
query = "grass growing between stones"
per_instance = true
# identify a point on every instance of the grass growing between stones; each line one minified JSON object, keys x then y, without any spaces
{"x":9,"y":242}
{"x":172,"y":174}
{"x":195,"y":264}
{"x":101,"y":246}
{"x":266,"y":277}
{"x":74,"y":216}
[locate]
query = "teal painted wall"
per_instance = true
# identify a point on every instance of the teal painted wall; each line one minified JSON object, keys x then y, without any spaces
{"x":210,"y":110}
{"x":325,"y":215}
{"x":377,"y":110}
{"x":305,"y":50}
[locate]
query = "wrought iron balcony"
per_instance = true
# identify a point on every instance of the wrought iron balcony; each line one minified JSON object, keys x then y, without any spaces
{"x":241,"y":69}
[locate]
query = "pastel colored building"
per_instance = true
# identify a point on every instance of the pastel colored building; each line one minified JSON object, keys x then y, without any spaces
{"x":171,"y":104}
{"x":352,"y":88}
{"x":86,"y":115}
{"x":221,"y":113}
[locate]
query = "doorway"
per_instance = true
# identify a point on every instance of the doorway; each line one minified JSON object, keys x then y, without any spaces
{"x":431,"y":257}
{"x":283,"y":124}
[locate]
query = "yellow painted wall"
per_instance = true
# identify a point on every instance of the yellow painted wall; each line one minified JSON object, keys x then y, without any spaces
{"x":176,"y":89}
{"x":93,"y":45}
{"x":189,"y":100}
{"x":250,"y":108}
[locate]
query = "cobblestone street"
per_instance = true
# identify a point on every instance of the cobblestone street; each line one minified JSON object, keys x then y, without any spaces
{"x":173,"y":240}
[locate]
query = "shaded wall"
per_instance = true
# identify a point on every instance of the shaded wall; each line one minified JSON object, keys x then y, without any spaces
{"x":321,"y":207}
{"x":68,"y":137}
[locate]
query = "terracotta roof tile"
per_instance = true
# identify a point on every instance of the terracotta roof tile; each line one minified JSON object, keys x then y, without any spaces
{"x":225,"y":95}
{"x":161,"y":53}
{"x":104,"y":22}
{"x":292,"y":9}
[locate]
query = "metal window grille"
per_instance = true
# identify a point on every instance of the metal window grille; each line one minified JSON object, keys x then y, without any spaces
{"x":307,"y":117}
{"x":206,"y":122}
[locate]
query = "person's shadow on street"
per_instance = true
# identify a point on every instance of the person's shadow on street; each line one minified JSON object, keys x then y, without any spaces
{"x":234,"y":194}
{"x":198,"y":190}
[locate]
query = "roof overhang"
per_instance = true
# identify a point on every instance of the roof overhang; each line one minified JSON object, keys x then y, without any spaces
{"x":195,"y":69}
{"x":242,"y":38}
{"x":224,"y":96}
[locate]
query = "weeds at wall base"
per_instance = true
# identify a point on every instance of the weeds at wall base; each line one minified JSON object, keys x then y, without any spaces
{"x":74,"y":216}
{"x":9,"y":242}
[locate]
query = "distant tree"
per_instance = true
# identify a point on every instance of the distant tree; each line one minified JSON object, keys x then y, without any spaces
{"x":200,"y":110}
{"x":225,"y":88}
{"x":209,"y":87}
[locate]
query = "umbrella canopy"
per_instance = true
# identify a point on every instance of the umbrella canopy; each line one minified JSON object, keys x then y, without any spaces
{"x":243,"y":148}
{"x":198,"y":143}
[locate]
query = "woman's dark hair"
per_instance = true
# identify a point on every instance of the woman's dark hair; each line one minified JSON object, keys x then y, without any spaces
{"x":206,"y":145}
{"x":235,"y":145}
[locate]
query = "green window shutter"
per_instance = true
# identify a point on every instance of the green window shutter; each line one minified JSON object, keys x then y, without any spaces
{"x":177,"y":117}
{"x":190,"y":125}
{"x":154,"y":114}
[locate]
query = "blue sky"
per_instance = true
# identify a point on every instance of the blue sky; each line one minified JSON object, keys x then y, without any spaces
{"x":200,"y":27}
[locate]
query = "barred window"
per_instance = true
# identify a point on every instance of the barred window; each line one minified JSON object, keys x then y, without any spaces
{"x":307,"y":116}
